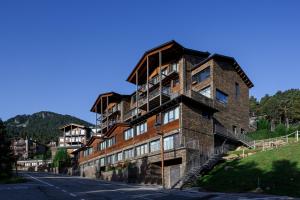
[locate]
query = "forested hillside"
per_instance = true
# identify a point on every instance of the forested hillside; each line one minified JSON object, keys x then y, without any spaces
{"x":282,"y":107}
{"x":42,"y":126}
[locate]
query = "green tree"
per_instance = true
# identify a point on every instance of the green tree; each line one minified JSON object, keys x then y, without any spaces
{"x":61,"y":158}
{"x":6,"y":156}
{"x":253,"y":105}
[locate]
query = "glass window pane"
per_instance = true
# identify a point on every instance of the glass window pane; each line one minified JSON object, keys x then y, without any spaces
{"x":177,"y":113}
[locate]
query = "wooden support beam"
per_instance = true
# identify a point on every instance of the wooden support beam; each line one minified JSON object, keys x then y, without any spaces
{"x":96,"y":117}
{"x":107,"y":113}
{"x":136,"y":92}
{"x":160,"y":81}
{"x":147,"y":86}
{"x":101,"y":108}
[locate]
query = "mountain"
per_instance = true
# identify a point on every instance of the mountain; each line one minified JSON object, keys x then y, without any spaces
{"x":42,"y":126}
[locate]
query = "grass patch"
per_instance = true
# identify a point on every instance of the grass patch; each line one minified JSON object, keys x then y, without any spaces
{"x":13,"y":180}
{"x":278,"y":171}
{"x":266,"y":134}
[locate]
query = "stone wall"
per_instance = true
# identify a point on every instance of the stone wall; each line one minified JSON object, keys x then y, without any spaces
{"x":197,"y":134}
{"x":236,"y":111}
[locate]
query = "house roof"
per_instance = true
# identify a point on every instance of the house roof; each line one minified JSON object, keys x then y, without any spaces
{"x":91,"y":140}
{"x":232,"y":60}
{"x":71,"y":124}
{"x":113,"y":97}
{"x":113,"y":128}
{"x":164,"y":46}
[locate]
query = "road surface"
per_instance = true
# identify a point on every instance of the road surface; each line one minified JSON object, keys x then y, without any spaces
{"x":49,"y":186}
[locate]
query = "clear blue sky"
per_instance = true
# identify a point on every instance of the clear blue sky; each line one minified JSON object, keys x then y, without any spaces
{"x":59,"y":55}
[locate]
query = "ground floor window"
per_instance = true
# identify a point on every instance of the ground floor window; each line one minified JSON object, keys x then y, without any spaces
{"x":155,"y":146}
{"x":169,"y":142}
{"x":119,"y":156}
{"x":129,"y":153}
{"x":142,"y":149}
{"x":102,"y":161}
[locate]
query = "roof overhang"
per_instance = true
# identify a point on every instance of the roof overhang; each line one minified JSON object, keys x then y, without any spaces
{"x":68,"y":126}
{"x":112,"y":96}
{"x":163,"y":47}
{"x":235,"y":64}
{"x":113,"y":128}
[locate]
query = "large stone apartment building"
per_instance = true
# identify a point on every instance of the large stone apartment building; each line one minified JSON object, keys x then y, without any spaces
{"x":191,"y":101}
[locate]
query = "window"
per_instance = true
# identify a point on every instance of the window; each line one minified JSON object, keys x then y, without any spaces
{"x":169,"y":142}
{"x":206,"y":92}
{"x":128,"y":134}
{"x":202,"y":75}
{"x":87,"y":152}
{"x":221,"y":96}
{"x":206,"y":114}
{"x":142,"y":149}
{"x":103,"y":145}
{"x":129,"y":153}
{"x":175,"y":82}
{"x":174,"y":67}
{"x":237,"y":91}
{"x":155,"y":146}
{"x":111,"y":159}
{"x":164,"y":71}
{"x":234,"y":129}
{"x":155,"y":79}
{"x":111,"y":141}
{"x":243,"y":131}
{"x":102,"y":161}
{"x":171,"y":115}
{"x":141,"y":128}
{"x":119,"y":156}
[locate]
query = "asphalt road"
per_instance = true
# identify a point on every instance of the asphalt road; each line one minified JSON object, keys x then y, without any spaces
{"x":49,"y":186}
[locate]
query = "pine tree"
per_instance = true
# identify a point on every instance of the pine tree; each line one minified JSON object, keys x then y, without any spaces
{"x":6,"y":156}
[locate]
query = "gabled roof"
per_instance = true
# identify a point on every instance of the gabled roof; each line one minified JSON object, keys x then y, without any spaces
{"x":108,"y":94}
{"x":91,"y":140}
{"x":164,"y":46}
{"x":71,"y":124}
{"x":236,"y":66}
{"x":113,"y":128}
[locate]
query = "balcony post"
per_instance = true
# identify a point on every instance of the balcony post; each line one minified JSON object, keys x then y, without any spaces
{"x":147,"y":86}
{"x":71,"y":136}
{"x":160,"y":76}
{"x":107,"y":112}
{"x":96,"y":118}
{"x":64,"y":136}
{"x":101,"y":107}
{"x":136,"y":92}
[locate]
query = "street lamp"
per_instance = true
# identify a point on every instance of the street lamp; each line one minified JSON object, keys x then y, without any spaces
{"x":157,"y":126}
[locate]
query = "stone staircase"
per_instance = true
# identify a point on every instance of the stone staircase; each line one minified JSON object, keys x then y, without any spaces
{"x":197,"y":171}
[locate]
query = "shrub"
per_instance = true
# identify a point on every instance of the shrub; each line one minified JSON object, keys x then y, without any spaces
{"x":280,"y":130}
{"x":263,"y":124}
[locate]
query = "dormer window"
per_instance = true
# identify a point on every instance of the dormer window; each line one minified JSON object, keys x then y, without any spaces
{"x":128,"y":134}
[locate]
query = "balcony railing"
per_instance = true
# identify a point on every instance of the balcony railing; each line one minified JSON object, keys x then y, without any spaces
{"x":200,"y":98}
{"x":131,"y":113}
{"x":170,"y":70}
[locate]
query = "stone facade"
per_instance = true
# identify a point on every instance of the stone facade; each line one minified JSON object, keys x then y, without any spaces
{"x":167,"y":95}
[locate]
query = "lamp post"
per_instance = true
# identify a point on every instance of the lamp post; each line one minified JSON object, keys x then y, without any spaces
{"x":160,"y":132}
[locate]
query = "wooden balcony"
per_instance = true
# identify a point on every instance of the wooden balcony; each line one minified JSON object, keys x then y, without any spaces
{"x":166,"y":76}
{"x":154,"y":98}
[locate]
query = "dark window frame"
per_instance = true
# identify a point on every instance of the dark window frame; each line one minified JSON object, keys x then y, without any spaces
{"x":223,"y":98}
{"x":202,"y":75}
